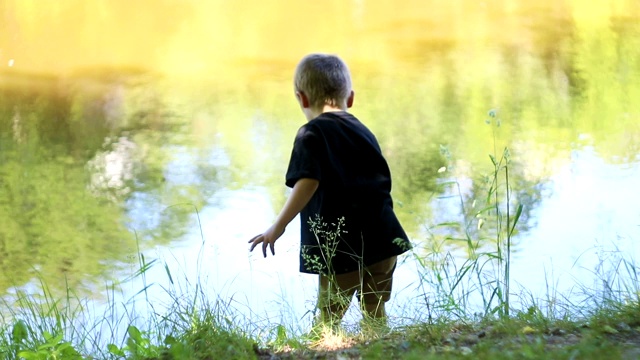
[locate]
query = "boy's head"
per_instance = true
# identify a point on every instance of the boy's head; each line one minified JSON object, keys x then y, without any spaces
{"x":323,"y":80}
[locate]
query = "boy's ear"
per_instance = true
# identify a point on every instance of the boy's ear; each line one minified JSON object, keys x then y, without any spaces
{"x":302,"y":99}
{"x":350,"y":99}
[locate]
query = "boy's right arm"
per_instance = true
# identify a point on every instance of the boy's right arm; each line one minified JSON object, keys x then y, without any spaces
{"x":302,"y":192}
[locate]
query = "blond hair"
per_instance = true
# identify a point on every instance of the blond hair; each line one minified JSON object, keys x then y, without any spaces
{"x":324,"y":79}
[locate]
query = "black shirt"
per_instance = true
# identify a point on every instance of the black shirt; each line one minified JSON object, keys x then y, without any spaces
{"x":349,"y":222}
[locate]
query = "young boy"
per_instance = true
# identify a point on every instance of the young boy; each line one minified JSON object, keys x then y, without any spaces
{"x":341,"y":183}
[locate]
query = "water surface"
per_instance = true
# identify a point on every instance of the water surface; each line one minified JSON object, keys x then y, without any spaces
{"x":167,"y":134}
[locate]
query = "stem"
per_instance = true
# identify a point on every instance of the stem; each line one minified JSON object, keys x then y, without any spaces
{"x":508,"y":262}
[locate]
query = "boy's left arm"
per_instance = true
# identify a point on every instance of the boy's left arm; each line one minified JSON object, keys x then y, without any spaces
{"x":302,"y":192}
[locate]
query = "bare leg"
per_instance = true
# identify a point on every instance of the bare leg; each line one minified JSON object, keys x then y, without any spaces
{"x":333,"y":300}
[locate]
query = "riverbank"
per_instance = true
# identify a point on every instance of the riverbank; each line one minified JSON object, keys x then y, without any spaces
{"x":206,"y":333}
{"x":597,"y":321}
{"x":613,"y":336}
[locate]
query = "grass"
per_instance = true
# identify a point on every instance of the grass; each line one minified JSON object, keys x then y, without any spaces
{"x":468,"y":308}
{"x":194,"y":326}
{"x":190,"y":327}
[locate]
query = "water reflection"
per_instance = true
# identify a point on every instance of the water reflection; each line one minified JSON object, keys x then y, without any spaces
{"x":75,"y":152}
{"x":112,"y":170}
{"x":51,"y":226}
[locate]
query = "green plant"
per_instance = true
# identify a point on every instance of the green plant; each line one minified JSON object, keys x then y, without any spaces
{"x":25,"y":344}
{"x":41,"y":325}
{"x":138,"y":345}
{"x":331,"y":301}
{"x":51,"y":348}
{"x":487,"y":218}
{"x":328,"y":237}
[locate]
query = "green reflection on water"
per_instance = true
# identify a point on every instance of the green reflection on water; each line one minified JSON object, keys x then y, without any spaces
{"x":51,"y":223}
{"x":74,"y":154}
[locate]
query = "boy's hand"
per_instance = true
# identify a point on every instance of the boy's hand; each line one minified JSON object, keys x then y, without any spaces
{"x":269,"y":237}
{"x":302,"y":191}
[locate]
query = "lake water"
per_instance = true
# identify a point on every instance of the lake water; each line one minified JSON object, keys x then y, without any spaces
{"x":164,"y":129}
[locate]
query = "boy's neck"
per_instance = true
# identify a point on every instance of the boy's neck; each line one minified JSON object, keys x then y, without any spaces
{"x":311,"y":113}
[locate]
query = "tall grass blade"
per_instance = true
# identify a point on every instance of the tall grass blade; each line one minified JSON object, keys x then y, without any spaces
{"x":516,"y":217}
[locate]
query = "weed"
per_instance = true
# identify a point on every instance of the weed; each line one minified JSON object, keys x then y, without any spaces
{"x":484,"y":275}
{"x":334,"y":295}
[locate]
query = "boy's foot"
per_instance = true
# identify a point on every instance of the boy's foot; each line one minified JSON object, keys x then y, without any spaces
{"x":329,"y":338}
{"x":320,"y":330}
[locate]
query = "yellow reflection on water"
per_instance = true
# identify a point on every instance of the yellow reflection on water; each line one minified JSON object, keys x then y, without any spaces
{"x":215,"y":37}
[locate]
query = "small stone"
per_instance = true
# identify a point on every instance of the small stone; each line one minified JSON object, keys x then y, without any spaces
{"x":471,"y":339}
{"x":352,"y":352}
{"x":465,"y":350}
{"x":448,"y":349}
{"x":558,"y":332}
{"x":449,"y":341}
{"x":572,"y":339}
{"x":554,"y":340}
{"x":489,"y":330}
{"x":622,"y":326}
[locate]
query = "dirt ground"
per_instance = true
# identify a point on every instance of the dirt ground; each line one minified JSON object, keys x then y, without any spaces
{"x":620,"y":342}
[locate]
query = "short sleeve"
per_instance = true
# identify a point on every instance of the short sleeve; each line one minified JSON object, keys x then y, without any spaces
{"x":305,"y":157}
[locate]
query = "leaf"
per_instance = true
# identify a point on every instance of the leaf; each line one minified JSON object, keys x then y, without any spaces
{"x":170,"y":340}
{"x":115,"y":350}
{"x":134,"y":334}
{"x":56,"y":339}
{"x":166,"y":268}
{"x":446,"y":224}
{"x":67,"y":348}
{"x":528,"y":330}
{"x":144,"y":289}
{"x":451,"y":238}
{"x":516,"y":218}
{"x":485,"y":209}
{"x":27,"y":355}
{"x":47,"y":335}
{"x":460,"y":278}
{"x":281,"y":336}
{"x":20,"y":331}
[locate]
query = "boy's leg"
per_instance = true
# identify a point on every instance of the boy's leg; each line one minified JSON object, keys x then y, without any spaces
{"x":373,"y":285}
{"x":376,"y":288}
{"x":334,"y":295}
